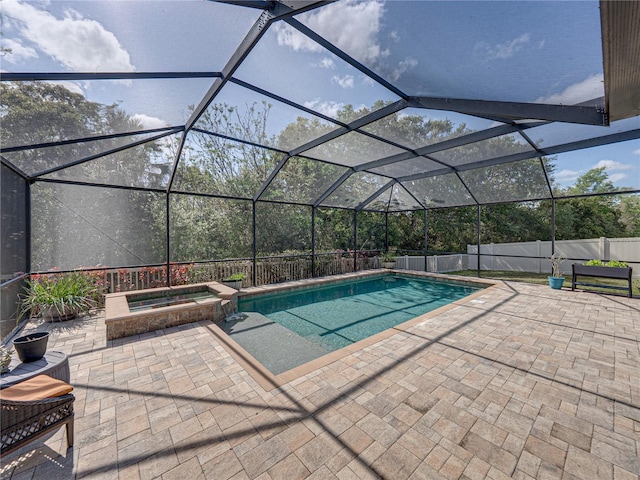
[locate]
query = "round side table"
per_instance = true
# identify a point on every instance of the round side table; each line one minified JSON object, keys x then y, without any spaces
{"x":55,"y":364}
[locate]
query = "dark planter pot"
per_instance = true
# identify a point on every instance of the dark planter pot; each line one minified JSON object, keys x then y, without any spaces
{"x":237,"y":284}
{"x":556,"y":282}
{"x":31,"y":347}
{"x":51,"y":315}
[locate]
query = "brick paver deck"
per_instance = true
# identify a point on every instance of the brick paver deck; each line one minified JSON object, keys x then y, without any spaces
{"x":520,"y":382}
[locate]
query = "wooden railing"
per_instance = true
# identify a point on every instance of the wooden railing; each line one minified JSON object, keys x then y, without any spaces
{"x":268,"y":270}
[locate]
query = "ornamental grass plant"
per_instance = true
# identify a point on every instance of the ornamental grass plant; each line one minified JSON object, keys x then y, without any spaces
{"x":62,"y":295}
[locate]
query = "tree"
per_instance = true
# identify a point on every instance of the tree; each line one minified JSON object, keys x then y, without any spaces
{"x":590,"y":217}
{"x":630,"y":214}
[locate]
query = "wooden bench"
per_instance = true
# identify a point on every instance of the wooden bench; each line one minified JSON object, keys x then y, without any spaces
{"x":619,"y":273}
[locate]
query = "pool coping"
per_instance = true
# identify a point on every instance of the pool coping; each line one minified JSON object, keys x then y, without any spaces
{"x":269,"y":381}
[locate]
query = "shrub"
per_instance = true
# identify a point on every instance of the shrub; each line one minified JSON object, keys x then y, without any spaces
{"x":610,"y":263}
{"x":236,"y":277}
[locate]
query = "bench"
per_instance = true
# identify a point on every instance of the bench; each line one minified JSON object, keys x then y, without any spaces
{"x":619,"y":273}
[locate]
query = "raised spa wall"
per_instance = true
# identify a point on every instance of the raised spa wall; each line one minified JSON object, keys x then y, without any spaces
{"x":121,"y":322}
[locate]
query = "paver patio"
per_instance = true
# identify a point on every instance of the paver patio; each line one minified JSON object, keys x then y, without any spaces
{"x":520,"y":382}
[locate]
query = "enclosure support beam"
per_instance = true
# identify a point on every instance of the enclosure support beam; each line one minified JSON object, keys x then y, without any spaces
{"x":313,"y":242}
{"x":27,"y":205}
{"x":553,"y":226}
{"x":386,"y":231}
{"x":168,"y":239}
{"x":426,"y":243}
{"x":478,"y":237}
{"x":355,"y":241}
{"x":254,"y":275}
{"x":588,"y":115}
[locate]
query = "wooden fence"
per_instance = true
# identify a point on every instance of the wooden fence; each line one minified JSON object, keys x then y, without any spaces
{"x":268,"y":271}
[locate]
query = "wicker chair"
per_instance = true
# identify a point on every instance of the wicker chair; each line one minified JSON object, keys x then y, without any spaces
{"x":25,"y":421}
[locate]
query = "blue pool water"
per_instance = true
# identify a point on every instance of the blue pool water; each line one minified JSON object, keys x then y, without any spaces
{"x":339,"y":314}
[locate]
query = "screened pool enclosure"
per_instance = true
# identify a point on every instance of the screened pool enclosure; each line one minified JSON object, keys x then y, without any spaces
{"x":182,"y":141}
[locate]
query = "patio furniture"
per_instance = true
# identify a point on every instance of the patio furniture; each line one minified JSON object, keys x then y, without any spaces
{"x":55,"y":364}
{"x":33,"y":408}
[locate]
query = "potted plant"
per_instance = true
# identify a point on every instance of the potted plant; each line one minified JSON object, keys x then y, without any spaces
{"x":58,"y":296}
{"x":389,"y":258}
{"x":235,"y":280}
{"x":31,"y":347}
{"x":5,"y":359}
{"x":556,"y":279}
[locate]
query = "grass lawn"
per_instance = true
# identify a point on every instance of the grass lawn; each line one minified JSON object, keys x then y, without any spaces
{"x":541,"y":278}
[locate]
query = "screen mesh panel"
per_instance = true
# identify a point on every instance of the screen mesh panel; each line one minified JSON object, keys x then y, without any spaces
{"x":353,"y":149}
{"x":440,"y":191}
{"x":333,"y":230}
{"x":282,"y":229}
{"x":507,"y":182}
{"x":207,"y":228}
{"x":308,"y":86}
{"x":218,"y":166}
{"x":512,"y":51}
{"x":77,"y":226}
{"x":302,"y":180}
{"x":417,"y":127}
{"x":450,"y":230}
{"x":483,"y":150}
{"x":406,"y":232}
{"x":247,"y":115}
{"x":15,"y":215}
{"x":371,"y":231}
{"x":147,"y":165}
{"x":355,"y":190}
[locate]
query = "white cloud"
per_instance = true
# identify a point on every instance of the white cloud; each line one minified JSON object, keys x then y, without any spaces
{"x":504,"y":50}
{"x":612,"y":165}
{"x":149,"y":122}
{"x":327,"y":62}
{"x":328,"y":108}
{"x":14,"y":51}
{"x":366,"y":80}
{"x":76,"y":42}
{"x":636,"y":152}
{"x":567,"y":176}
{"x":71,"y":86}
{"x":403,"y":66}
{"x":617,"y":177}
{"x":350,"y":25}
{"x":344,"y":82}
{"x":590,"y":88}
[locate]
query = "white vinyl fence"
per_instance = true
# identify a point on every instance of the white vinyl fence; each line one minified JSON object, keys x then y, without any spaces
{"x":435,"y":263}
{"x":507,"y":256}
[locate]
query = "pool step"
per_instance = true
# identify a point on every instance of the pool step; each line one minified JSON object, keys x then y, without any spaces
{"x":274,"y":346}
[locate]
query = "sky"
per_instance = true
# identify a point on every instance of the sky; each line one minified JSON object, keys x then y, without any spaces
{"x":542,"y":52}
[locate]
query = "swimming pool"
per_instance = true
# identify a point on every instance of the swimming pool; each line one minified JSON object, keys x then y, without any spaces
{"x":335,"y":315}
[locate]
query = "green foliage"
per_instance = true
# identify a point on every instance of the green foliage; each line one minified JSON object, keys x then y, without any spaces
{"x":69,"y":292}
{"x":236,"y":277}
{"x":390,"y":255}
{"x":610,"y":263}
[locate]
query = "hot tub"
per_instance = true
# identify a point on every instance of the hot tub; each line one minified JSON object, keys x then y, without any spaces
{"x":142,"y":311}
